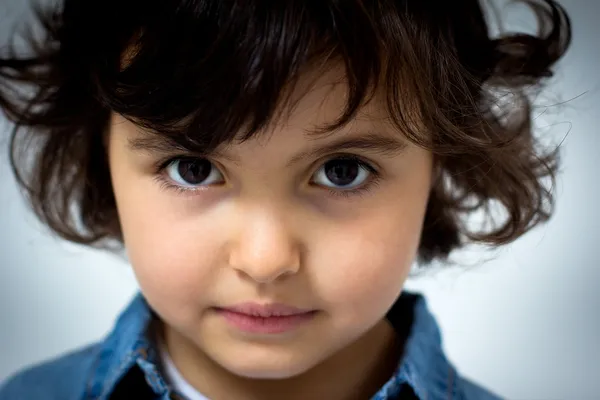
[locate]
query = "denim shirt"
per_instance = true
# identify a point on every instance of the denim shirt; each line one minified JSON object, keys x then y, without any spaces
{"x":125,"y":365}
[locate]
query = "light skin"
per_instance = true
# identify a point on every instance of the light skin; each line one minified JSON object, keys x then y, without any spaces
{"x":263,"y":229}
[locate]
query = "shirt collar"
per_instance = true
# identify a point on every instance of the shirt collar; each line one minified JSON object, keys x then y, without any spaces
{"x":423,"y":367}
{"x":128,"y":346}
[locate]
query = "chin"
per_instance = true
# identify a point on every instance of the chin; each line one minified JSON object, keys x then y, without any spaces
{"x":272,"y":370}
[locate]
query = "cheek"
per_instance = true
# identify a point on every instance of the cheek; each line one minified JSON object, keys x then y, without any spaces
{"x":365,"y":264}
{"x":173,"y":257}
{"x":171,"y":260}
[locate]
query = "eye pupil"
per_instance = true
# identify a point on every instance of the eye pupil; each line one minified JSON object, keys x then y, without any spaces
{"x":194,"y":171}
{"x":342,"y":172}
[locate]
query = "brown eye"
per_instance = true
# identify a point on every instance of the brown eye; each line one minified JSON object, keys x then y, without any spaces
{"x":192,"y":172}
{"x":343,"y":173}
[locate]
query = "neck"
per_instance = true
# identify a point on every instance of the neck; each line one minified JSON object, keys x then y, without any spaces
{"x":355,"y":372}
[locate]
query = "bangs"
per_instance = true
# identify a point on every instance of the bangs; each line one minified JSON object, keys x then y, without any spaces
{"x":202,"y":73}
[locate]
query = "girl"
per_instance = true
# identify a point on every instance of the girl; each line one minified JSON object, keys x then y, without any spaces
{"x":273,"y":169}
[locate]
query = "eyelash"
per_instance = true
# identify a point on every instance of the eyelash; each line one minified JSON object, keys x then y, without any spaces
{"x":372,"y":182}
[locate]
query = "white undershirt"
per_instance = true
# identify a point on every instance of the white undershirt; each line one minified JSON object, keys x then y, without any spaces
{"x":176,"y":380}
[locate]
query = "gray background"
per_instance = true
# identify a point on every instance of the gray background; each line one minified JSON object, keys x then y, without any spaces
{"x":526,"y":323}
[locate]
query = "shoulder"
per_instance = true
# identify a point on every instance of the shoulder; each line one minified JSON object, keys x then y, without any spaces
{"x":87,"y":371}
{"x":470,"y":390}
{"x":425,"y":366}
{"x":62,"y":378}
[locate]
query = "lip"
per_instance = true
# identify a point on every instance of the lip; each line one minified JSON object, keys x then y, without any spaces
{"x":271,"y":318}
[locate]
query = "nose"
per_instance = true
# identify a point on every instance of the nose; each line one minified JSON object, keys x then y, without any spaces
{"x":265,"y":250}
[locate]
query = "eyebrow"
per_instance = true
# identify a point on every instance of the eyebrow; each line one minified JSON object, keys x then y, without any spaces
{"x":376,"y":143}
{"x":373,"y":142}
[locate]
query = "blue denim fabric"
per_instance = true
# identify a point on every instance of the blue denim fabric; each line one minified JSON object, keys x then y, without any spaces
{"x":125,"y":364}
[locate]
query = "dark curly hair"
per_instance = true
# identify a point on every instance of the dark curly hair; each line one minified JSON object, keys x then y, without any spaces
{"x":201,"y":73}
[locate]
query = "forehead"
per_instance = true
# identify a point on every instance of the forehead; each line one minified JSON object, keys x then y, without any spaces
{"x":319,"y":98}
{"x":311,"y":100}
{"x":314,"y":101}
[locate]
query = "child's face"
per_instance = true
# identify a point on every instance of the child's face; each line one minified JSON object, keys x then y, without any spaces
{"x":264,"y":230}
